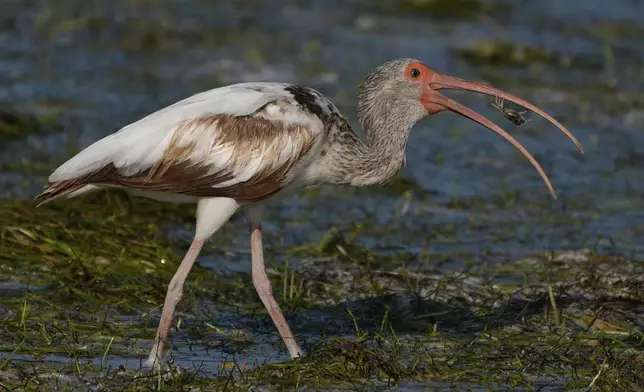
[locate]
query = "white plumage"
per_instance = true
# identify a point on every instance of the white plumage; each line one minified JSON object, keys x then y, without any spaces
{"x":139,"y":146}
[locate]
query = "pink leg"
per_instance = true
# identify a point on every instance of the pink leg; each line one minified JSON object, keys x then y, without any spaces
{"x":172,"y":298}
{"x":212,"y":213}
{"x":264,"y":290}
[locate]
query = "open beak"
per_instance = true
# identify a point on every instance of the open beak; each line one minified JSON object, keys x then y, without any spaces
{"x":435,"y":102}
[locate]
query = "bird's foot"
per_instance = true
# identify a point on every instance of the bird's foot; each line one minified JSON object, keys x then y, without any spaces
{"x":154,"y":363}
{"x":167,"y":370}
{"x":294,"y":349}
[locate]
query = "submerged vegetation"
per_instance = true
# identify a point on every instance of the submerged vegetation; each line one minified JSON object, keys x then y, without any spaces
{"x":507,"y":54}
{"x":82,"y":279}
{"x":16,"y":125}
{"x":444,"y":9}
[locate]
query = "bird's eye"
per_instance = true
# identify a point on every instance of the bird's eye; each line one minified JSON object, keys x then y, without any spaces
{"x":414,"y":73}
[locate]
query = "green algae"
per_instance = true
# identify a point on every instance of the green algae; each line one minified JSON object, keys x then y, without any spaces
{"x":92,"y":270}
{"x":133,"y":26}
{"x":90,"y":250}
{"x":509,"y":54}
{"x":17,"y":125}
{"x":613,"y":30}
{"x":443,"y":9}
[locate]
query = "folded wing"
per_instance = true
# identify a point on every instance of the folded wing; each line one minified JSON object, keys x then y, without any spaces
{"x":242,"y":141}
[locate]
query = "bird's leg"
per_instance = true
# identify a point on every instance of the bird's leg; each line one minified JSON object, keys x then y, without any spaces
{"x":264,"y":290}
{"x":212,"y":213}
{"x":172,"y":298}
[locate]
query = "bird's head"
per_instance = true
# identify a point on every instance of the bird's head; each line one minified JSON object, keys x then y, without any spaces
{"x":404,"y":91}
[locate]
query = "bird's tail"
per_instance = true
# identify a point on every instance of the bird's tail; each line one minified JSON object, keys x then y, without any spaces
{"x":66,"y":188}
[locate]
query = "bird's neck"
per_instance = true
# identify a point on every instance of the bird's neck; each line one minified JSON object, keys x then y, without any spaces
{"x":375,"y":162}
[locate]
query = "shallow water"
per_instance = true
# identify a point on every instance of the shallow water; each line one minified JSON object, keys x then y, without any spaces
{"x":473,"y":197}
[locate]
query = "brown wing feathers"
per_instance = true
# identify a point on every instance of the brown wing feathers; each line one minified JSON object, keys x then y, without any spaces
{"x":176,"y":172}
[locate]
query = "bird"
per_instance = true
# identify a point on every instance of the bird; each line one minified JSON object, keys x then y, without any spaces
{"x":241,"y":146}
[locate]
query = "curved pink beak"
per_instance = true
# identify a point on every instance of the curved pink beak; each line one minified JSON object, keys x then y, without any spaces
{"x":436,"y":102}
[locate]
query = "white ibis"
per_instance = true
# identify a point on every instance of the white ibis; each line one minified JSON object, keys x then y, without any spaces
{"x":243,"y":145}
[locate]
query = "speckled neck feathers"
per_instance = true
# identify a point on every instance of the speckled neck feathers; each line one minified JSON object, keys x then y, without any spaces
{"x":387,"y":113}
